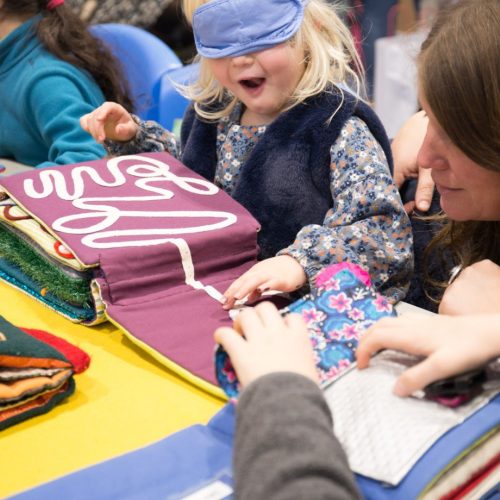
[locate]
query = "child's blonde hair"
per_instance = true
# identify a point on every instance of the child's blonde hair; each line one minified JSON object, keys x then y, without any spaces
{"x":331,"y":59}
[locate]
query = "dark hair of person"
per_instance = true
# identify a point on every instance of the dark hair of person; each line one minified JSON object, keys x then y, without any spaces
{"x":66,"y":36}
{"x":459,"y":75}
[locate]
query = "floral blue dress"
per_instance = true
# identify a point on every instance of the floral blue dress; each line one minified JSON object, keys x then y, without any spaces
{"x":366,"y":225}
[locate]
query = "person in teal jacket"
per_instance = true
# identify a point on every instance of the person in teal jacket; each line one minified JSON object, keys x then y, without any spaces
{"x":51,"y":72}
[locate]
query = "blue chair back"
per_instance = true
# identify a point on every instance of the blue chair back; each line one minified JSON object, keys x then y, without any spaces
{"x":144,"y":58}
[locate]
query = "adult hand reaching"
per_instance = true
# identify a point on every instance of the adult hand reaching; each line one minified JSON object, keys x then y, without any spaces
{"x":451,"y":344}
{"x":270,"y":344}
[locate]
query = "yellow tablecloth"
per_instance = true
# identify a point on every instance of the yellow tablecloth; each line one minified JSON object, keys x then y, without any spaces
{"x":125,"y":400}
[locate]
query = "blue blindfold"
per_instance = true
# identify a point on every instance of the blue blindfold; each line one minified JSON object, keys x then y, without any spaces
{"x":225,"y":28}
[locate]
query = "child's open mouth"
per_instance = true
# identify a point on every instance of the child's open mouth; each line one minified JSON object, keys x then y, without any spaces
{"x":253,"y":84}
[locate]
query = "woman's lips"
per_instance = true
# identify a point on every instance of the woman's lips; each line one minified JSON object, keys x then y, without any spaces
{"x":445,"y":189}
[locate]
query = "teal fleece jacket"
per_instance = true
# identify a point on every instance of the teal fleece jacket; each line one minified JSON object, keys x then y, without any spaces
{"x":41,"y":101}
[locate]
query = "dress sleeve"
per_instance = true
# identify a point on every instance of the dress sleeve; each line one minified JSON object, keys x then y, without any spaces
{"x":150,"y":138}
{"x":284,"y":444}
{"x":367,"y":224}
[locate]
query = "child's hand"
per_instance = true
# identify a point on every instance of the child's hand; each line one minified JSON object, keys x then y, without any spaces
{"x":281,"y":273}
{"x":451,"y":344}
{"x":476,"y":290}
{"x":109,"y":121}
{"x":271,"y":344}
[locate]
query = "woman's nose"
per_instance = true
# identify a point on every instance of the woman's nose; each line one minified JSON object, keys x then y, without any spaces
{"x":431,"y":154}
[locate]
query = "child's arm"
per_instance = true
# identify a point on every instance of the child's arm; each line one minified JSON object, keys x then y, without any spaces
{"x":52,"y":103}
{"x":264,"y":342}
{"x":452,"y":344}
{"x":284,"y":445}
{"x":281,"y":273}
{"x":123,"y":133}
{"x":367,"y":224}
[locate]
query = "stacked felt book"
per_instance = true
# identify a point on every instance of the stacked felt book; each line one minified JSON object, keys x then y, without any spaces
{"x":36,"y":372}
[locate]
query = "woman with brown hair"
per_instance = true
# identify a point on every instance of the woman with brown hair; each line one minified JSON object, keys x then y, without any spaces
{"x":459,"y":72}
{"x":464,"y":95}
{"x":51,"y":72}
{"x":292,"y":452}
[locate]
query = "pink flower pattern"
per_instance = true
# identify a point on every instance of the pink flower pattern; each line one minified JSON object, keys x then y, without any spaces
{"x":341,"y":302}
{"x":335,"y":322}
{"x":312,"y":316}
{"x":356,"y":314}
{"x":382,"y":304}
{"x":350,"y":332}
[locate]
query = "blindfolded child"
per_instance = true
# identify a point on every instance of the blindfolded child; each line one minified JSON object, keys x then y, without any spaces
{"x":274,"y":123}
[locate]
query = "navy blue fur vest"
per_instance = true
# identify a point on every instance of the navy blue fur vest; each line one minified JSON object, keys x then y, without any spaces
{"x":285,"y":181}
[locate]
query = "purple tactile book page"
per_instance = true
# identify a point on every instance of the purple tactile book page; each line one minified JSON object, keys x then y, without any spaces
{"x":166,"y":241}
{"x":132,"y":201}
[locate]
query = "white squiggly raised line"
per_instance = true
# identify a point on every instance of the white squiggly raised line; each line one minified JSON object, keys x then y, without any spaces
{"x":94,"y":207}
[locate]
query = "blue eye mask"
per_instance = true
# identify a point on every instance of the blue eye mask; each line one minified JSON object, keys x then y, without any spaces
{"x":225,"y":28}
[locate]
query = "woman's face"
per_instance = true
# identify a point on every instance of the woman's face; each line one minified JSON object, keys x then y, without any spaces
{"x":468,"y":191}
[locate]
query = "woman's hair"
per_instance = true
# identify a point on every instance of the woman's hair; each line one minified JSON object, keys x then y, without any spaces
{"x":330,"y":56}
{"x":459,"y":75}
{"x":66,"y":36}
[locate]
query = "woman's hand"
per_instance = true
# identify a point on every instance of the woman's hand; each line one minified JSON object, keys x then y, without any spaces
{"x":270,"y":344}
{"x":451,"y":344}
{"x":282,"y":273}
{"x":476,"y":290}
{"x":405,"y":148}
{"x":109,"y":121}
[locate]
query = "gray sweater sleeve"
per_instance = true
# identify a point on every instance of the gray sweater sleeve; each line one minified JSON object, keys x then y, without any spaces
{"x":285,"y":447}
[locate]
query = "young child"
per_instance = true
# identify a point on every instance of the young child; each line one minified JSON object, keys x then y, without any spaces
{"x":51,"y":72}
{"x":274,"y":124}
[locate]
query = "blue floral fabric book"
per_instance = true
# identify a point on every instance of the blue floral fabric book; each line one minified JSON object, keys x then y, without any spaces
{"x":337,"y":313}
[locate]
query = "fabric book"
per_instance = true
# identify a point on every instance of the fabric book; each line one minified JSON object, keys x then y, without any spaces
{"x":337,"y":313}
{"x":139,"y":240}
{"x":36,"y":372}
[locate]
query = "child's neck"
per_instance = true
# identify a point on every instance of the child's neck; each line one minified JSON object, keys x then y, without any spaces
{"x":249,"y":118}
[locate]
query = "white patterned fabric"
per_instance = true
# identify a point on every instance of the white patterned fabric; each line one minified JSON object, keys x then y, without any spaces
{"x":384,"y":435}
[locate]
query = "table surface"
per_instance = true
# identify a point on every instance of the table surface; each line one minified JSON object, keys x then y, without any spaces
{"x":125,"y":400}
